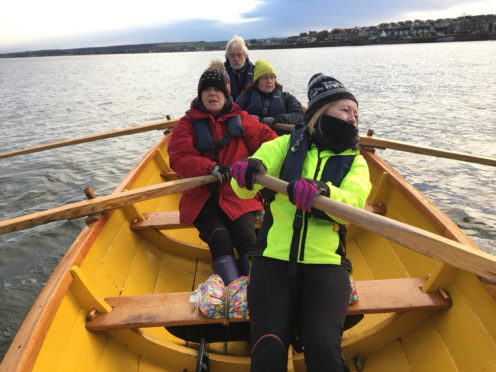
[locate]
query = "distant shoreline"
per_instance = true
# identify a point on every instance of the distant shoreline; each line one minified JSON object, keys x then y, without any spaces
{"x":220,"y":45}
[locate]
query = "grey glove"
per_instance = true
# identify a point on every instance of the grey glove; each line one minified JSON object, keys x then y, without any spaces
{"x":222,"y":172}
{"x":256,"y":117}
{"x":270,"y":121}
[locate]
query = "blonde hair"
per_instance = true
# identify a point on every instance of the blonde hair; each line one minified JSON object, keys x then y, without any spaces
{"x":236,"y":41}
{"x":312,"y":122}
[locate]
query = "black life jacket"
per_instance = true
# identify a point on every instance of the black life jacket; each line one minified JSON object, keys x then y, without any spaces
{"x":257,"y":106}
{"x":335,"y":169}
{"x":203,"y":137}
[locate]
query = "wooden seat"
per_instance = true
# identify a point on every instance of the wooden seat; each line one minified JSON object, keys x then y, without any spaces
{"x":175,"y":309}
{"x":170,"y":219}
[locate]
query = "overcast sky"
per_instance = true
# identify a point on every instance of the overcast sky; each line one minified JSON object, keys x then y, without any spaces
{"x":59,"y":24}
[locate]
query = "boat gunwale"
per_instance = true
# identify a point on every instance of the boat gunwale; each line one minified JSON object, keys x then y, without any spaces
{"x":441,"y":222}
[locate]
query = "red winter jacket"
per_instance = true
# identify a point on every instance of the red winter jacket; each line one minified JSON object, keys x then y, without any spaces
{"x":186,"y":161}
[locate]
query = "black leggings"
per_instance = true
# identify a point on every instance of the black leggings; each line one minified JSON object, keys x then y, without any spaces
{"x":221,"y":233}
{"x":323,"y":295}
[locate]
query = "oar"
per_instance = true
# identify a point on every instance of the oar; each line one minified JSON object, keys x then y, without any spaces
{"x":156,"y":125}
{"x":103,"y":203}
{"x":421,"y":241}
{"x":382,"y":143}
{"x":418,"y":240}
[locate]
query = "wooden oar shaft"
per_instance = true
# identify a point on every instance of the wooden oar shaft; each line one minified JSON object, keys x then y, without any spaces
{"x":382,"y":143}
{"x":403,"y":146}
{"x":103,"y":203}
{"x":418,"y":240}
{"x":156,"y":125}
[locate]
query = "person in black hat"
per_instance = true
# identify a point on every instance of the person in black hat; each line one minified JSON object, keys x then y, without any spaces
{"x":299,"y":286}
{"x":213,"y":135}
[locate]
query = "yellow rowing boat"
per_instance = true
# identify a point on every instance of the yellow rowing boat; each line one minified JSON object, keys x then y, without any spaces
{"x":119,"y":299}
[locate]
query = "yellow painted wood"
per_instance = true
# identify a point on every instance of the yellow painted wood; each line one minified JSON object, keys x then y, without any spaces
{"x":117,"y":357}
{"x":480,"y":300}
{"x":102,"y":243}
{"x":162,"y":160}
{"x":58,"y":334}
{"x":426,"y":349}
{"x":472,"y":346}
{"x":171,"y":356}
{"x":87,"y":295}
{"x":114,"y":267}
{"x":149,"y":365}
{"x":143,"y":270}
{"x":391,"y":358}
{"x":83,"y":349}
{"x":378,"y":251}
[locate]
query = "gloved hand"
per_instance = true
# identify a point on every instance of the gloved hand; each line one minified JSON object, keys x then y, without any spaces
{"x":244,"y":171}
{"x":222,"y":172}
{"x":302,"y":192}
{"x":256,"y":117}
{"x":270,"y":121}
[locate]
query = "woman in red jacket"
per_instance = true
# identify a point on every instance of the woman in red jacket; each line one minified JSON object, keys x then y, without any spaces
{"x":212,"y":136}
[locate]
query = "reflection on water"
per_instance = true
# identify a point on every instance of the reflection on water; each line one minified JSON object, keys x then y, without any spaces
{"x":437,"y":95}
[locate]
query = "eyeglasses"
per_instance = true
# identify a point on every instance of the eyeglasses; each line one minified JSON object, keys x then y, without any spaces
{"x":268,"y":77}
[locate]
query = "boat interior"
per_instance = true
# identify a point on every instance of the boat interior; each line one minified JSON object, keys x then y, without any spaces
{"x":414,"y":314}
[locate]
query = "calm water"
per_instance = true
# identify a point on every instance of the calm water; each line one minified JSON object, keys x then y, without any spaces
{"x":438,"y":95}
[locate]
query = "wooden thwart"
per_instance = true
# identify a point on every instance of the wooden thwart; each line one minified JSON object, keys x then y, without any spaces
{"x":170,"y":219}
{"x":174,"y":309}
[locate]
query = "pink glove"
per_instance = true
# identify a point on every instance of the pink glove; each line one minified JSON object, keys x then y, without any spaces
{"x":302,"y":192}
{"x":244,"y":171}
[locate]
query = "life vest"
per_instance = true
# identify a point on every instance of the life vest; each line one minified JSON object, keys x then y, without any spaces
{"x":203,"y":137}
{"x":257,"y":107}
{"x":335,"y":169}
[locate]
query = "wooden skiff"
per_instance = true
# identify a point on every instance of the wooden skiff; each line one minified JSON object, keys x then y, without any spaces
{"x":420,"y":314}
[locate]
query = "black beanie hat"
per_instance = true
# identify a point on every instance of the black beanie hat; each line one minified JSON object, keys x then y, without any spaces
{"x":212,"y":77}
{"x":323,"y":89}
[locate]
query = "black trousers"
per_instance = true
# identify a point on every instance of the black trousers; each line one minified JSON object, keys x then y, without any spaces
{"x":322,"y":300}
{"x":222,"y":234}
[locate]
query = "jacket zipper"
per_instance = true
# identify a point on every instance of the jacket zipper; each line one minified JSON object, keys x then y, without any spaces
{"x":307,"y":215}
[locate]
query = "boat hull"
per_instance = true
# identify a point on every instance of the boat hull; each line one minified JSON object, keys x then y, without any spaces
{"x":110,"y":259}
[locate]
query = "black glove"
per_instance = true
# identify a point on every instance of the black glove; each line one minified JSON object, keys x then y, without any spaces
{"x":244,"y":171}
{"x":222,"y":172}
{"x":269,"y":121}
{"x":302,"y":192}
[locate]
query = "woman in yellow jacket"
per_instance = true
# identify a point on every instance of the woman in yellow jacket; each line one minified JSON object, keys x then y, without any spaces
{"x":299,"y":279}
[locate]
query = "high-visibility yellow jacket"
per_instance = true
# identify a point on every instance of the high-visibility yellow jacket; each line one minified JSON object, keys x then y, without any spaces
{"x":319,"y":239}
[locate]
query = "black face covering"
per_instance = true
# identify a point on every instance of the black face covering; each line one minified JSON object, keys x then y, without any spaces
{"x":335,"y":134}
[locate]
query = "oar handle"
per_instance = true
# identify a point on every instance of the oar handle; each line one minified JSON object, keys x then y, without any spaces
{"x":418,"y":240}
